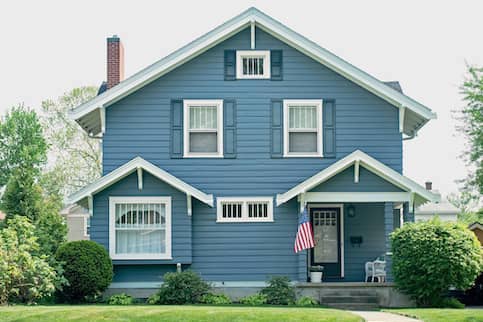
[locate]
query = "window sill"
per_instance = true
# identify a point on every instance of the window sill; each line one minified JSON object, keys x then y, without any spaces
{"x":243,"y":221}
{"x":141,"y":257}
{"x":303,"y":156}
{"x":187,"y":156}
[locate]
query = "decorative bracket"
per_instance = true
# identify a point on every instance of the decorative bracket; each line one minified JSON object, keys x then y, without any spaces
{"x":252,"y":29}
{"x":140,"y":178}
{"x":356,"y":171}
{"x":188,"y":205}
{"x":402,"y":112}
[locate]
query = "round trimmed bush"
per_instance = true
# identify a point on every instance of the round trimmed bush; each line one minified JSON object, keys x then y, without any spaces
{"x":87,"y":268}
{"x":430,"y":257}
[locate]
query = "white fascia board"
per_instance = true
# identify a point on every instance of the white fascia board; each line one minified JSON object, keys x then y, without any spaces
{"x":367,"y":162}
{"x":128,"y":168}
{"x":357,"y":196}
{"x":230,"y":28}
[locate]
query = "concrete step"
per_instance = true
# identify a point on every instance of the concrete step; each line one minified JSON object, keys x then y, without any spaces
{"x":368,"y":299}
{"x":353,"y":306}
{"x":349,"y":293}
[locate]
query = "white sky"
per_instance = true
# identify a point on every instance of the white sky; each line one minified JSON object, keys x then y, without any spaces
{"x":49,"y":47}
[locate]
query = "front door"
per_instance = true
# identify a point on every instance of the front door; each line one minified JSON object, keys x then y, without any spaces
{"x":326,"y":224}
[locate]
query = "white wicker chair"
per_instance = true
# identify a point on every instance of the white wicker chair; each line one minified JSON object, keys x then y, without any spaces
{"x":375,"y":269}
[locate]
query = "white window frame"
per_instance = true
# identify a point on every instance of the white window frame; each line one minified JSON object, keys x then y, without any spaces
{"x":86,"y":219}
{"x":219,"y":128}
{"x":265,"y":54}
{"x":244,"y":201}
{"x":286,"y":144}
{"x":112,"y":227}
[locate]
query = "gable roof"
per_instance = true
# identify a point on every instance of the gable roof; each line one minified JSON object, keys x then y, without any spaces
{"x":90,"y":114}
{"x":475,"y":225}
{"x":440,"y":208}
{"x":421,"y":194}
{"x":128,"y":168}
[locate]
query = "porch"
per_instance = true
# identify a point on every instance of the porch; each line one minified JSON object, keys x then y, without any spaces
{"x":354,"y":205}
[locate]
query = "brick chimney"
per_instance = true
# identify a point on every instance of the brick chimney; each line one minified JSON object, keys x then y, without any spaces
{"x":429,"y":185}
{"x":115,"y":61}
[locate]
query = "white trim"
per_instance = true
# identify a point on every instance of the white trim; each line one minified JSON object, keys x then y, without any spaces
{"x":112,"y":227}
{"x":476,"y":225}
{"x":128,"y":168}
{"x":244,"y":201}
{"x":86,"y":218}
{"x":357,"y":196}
{"x":219,"y":128}
{"x":102,"y":116}
{"x":342,"y":252}
{"x":356,"y":171}
{"x":265,"y":54}
{"x":90,"y":204}
{"x":228,"y":29}
{"x":402,"y":112}
{"x":370,"y":164}
{"x":318,"y":105}
{"x":188,"y":205}
{"x":140,"y":178}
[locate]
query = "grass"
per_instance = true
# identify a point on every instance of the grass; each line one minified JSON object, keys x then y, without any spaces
{"x":442,"y":315}
{"x":151,"y":313}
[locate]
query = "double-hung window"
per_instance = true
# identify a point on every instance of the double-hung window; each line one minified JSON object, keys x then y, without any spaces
{"x":302,"y":128}
{"x":140,"y":227}
{"x":203,"y":128}
{"x":244,"y":209}
{"x":253,"y":64}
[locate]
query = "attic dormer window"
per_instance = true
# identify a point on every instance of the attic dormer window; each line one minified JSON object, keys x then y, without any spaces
{"x":253,"y":64}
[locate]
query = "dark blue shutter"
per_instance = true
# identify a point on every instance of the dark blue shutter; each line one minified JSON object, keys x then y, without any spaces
{"x":276,"y":134}
{"x":176,"y":141}
{"x":329,"y":128}
{"x":276,"y":64}
{"x":230,"y":65}
{"x":229,"y":128}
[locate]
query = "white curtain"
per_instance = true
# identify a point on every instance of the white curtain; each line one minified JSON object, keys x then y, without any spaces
{"x":140,"y":228}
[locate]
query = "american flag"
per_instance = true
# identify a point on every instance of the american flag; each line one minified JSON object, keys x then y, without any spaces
{"x":305,"y":235}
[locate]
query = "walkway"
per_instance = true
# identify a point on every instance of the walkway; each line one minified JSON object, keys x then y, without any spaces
{"x":375,"y":316}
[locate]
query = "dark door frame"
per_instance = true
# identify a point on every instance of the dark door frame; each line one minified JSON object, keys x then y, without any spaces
{"x":340,"y":206}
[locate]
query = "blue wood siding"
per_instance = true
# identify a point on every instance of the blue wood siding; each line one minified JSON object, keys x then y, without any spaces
{"x":368,"y":182}
{"x":139,"y":125}
{"x":181,"y":222}
{"x":368,"y":223}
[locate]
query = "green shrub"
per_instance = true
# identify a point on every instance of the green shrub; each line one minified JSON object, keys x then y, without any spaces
{"x":306,"y":301}
{"x":87,"y":268}
{"x":215,"y":299}
{"x":254,"y":300}
{"x":449,"y":303}
{"x":25,"y":276}
{"x":153,"y":299}
{"x":120,"y":299}
{"x":429,"y":257}
{"x":181,"y":288}
{"x":279,"y":291}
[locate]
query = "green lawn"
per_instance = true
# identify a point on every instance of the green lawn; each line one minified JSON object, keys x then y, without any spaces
{"x":442,"y":315}
{"x":150,"y":313}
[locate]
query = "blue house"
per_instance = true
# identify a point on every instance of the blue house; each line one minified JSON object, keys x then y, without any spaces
{"x":211,"y":153}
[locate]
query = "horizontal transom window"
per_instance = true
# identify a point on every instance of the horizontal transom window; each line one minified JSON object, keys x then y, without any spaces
{"x":244,"y":209}
{"x":140,"y":227}
{"x":253,"y":64}
{"x":303,"y":128}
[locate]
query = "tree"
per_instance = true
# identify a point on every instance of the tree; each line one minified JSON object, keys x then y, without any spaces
{"x":22,"y":144}
{"x":467,"y":203}
{"x":76,"y":158}
{"x":25,"y":276}
{"x":472,"y":128}
{"x":430,"y":257}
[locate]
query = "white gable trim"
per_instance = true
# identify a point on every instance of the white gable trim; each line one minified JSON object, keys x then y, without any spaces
{"x":476,"y":225}
{"x":132,"y":166}
{"x":253,"y":17}
{"x":364,"y":160}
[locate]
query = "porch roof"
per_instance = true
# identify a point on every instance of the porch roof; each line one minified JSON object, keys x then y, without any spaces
{"x":414,"y":192}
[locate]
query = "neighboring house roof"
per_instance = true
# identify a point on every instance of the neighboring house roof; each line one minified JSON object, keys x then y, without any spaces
{"x":476,"y":225}
{"x":73,"y":209}
{"x":395,"y":85}
{"x":91,"y":114}
{"x":437,"y":208}
{"x":371,"y":164}
{"x":135,"y":165}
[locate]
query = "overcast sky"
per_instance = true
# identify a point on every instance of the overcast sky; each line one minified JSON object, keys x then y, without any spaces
{"x":49,"y":47}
